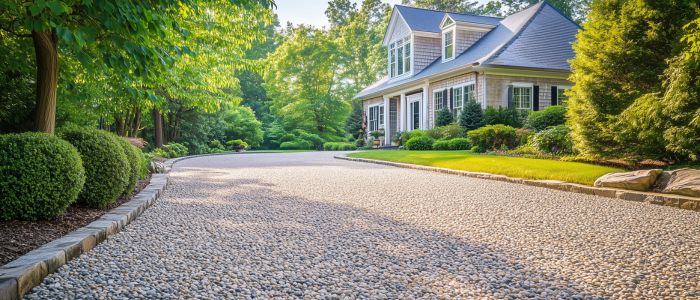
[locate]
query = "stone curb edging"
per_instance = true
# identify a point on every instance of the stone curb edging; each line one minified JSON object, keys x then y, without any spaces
{"x":683,"y":202}
{"x":27,"y":271}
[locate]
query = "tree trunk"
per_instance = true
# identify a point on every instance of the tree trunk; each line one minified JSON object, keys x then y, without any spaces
{"x":46,"y":50}
{"x":158,"y":128}
{"x":136,"y":123}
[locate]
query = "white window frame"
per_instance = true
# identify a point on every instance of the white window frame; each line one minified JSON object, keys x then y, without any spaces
{"x":452,"y":30}
{"x":435,"y":103}
{"x":461,"y":87}
{"x":379,"y":121}
{"x":411,"y":112}
{"x":562,"y":88}
{"x":520,"y":85}
{"x":404,"y":46}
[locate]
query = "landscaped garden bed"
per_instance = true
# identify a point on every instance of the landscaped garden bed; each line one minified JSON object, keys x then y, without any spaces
{"x":19,"y":237}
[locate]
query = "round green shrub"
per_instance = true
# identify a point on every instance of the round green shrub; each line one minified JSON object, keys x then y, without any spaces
{"x":555,"y":140}
{"x":550,"y":116}
{"x":237,"y":145}
{"x":405,"y":136}
{"x":494,"y":137}
{"x":40,"y":176}
{"x":176,"y":150}
{"x":441,"y":145}
{"x":460,"y":144}
{"x":420,"y":143}
{"x":135,"y":158}
{"x":106,"y":165}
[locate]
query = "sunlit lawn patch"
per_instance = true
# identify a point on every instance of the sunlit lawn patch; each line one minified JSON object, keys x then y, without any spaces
{"x":519,"y":167}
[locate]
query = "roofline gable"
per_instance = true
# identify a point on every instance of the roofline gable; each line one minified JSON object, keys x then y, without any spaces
{"x":395,"y":17}
{"x":445,"y":19}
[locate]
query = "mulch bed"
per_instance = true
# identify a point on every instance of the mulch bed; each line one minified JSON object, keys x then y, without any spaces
{"x":20,"y":237}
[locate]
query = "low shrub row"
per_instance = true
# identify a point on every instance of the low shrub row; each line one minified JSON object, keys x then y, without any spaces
{"x":41,"y":175}
{"x":339,"y":146}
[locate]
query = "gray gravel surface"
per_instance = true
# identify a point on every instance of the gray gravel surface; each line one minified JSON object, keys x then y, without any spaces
{"x":305,"y":225}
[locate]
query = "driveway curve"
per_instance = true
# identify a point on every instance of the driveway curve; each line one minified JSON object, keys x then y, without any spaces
{"x":305,"y":225}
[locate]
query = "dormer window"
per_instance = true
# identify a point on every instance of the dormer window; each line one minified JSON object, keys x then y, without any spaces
{"x":400,"y":57}
{"x":448,"y":47}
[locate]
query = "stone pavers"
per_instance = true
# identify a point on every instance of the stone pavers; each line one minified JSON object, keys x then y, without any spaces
{"x":305,"y":225}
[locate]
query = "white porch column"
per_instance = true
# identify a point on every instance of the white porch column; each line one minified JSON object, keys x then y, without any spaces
{"x":402,"y":109}
{"x":387,"y":128}
{"x":424,"y":114}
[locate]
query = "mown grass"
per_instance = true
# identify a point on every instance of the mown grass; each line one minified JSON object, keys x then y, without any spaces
{"x":519,"y":167}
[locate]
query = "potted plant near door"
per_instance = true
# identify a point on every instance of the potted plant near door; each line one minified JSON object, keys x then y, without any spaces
{"x":376,"y":134}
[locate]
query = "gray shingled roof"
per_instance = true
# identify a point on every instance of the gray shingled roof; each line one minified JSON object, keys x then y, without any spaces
{"x":427,"y":20}
{"x":538,"y":37}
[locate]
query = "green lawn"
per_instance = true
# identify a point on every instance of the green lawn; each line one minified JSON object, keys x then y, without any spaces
{"x":528,"y":168}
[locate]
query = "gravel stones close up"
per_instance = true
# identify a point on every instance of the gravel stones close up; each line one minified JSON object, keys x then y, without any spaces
{"x":304,"y":225}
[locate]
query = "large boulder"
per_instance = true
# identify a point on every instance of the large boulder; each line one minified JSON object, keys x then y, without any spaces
{"x":641,"y":180}
{"x":682,"y":182}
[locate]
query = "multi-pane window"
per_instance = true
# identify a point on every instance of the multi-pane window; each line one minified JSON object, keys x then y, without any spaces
{"x":562,"y":98}
{"x":440,"y":101}
{"x":448,"y":49}
{"x":415,"y":114}
{"x":400,"y":57}
{"x":376,"y":117}
{"x":522,"y":98}
{"x":462,"y":95}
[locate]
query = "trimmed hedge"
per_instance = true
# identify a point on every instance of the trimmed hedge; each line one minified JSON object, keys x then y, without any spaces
{"x":297,"y":145}
{"x":555,"y":140}
{"x":460,"y":144}
{"x":339,"y":146}
{"x":40,"y":176}
{"x":421,"y":142}
{"x":135,"y":158}
{"x":106,"y":165}
{"x":550,"y":116}
{"x":441,"y":145}
{"x":494,"y":137}
{"x":237,"y":145}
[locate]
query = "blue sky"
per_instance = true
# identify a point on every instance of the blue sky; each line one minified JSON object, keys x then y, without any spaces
{"x":309,"y":11}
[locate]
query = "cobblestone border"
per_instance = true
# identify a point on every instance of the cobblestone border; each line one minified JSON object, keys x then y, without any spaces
{"x":684,"y":202}
{"x":27,"y":271}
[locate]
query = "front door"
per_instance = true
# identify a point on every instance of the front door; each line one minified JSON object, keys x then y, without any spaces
{"x":414,"y":111}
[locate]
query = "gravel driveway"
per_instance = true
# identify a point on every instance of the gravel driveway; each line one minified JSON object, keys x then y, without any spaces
{"x":305,"y":225}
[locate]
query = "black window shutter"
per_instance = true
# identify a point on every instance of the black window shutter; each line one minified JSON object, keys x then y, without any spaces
{"x":510,"y":96}
{"x":452,"y":99}
{"x":536,"y":98}
{"x":555,"y":95}
{"x":445,"y":100}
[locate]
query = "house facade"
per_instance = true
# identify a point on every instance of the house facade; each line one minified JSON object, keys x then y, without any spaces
{"x":440,"y":60}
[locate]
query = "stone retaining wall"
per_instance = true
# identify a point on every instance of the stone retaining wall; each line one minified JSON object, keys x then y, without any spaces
{"x":679,"y":201}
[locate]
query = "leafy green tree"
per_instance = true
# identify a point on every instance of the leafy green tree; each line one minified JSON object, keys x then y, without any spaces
{"x":574,"y":9}
{"x":302,"y":79}
{"x":619,"y":58}
{"x":242,"y":124}
{"x":472,"y":116}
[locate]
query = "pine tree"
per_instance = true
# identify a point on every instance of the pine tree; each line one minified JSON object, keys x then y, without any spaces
{"x":472,"y":116}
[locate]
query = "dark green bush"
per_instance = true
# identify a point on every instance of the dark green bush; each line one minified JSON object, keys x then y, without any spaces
{"x":444,"y":117}
{"x":40,"y":176}
{"x":315,"y":140}
{"x":555,"y":140}
{"x":339,"y":146}
{"x":405,"y":136}
{"x":237,"y":145}
{"x":135,"y":158}
{"x":175,"y":150}
{"x":472,"y":116}
{"x":297,"y":145}
{"x":493,"y":137}
{"x":523,"y":135}
{"x":420,"y":142}
{"x":550,"y":116}
{"x":105,"y":163}
{"x":477,"y":149}
{"x":460,"y":144}
{"x":449,"y":131}
{"x":441,"y":145}
{"x":508,"y":116}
